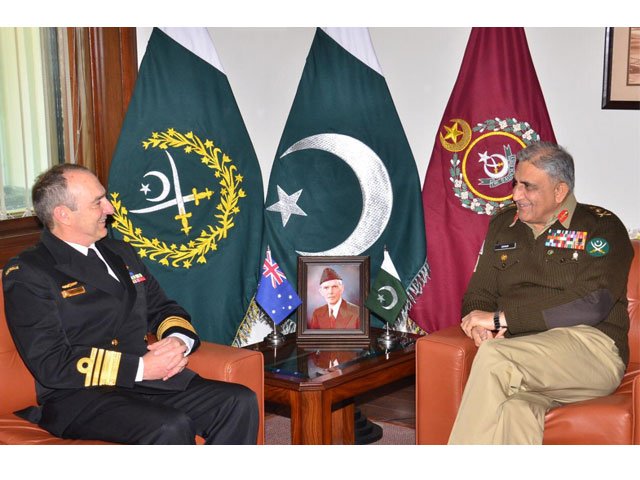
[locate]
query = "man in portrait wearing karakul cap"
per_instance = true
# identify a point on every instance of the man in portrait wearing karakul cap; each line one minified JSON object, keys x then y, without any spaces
{"x":337,"y":313}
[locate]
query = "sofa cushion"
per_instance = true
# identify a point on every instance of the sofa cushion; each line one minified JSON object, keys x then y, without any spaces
{"x":16,"y":431}
{"x":606,"y":420}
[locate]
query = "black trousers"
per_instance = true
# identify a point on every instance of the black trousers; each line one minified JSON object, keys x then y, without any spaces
{"x":222,"y":413}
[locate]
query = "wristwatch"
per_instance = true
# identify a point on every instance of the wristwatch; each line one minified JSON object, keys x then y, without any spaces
{"x":496,"y":320}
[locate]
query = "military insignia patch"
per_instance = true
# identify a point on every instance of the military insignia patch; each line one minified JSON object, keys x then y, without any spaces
{"x":563,"y":215}
{"x":598,"y":247}
{"x":600,"y":212}
{"x":566,"y":239}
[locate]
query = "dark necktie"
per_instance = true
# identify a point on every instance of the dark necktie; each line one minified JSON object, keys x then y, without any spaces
{"x":93,"y":256}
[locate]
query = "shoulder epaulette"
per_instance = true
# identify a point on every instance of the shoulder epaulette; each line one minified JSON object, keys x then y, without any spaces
{"x":504,"y":208}
{"x":598,"y":211}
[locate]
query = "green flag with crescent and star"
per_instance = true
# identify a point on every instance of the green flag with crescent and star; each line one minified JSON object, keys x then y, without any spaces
{"x":387,"y":296}
{"x":186,"y":185}
{"x":344,"y":181}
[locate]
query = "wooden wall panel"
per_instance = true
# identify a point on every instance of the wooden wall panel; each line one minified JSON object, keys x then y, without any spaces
{"x":112,"y":57}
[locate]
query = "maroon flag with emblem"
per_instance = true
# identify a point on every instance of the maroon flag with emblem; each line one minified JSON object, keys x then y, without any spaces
{"x":496,"y":109}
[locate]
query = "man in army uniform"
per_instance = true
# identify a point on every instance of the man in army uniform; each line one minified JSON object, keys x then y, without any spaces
{"x":546,"y":305}
{"x":79,"y":307}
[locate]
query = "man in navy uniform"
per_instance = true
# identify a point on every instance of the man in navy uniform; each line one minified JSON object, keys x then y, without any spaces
{"x":79,"y":306}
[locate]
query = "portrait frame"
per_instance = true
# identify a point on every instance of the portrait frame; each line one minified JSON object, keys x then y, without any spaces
{"x":354,"y":271}
{"x":621,"y":78}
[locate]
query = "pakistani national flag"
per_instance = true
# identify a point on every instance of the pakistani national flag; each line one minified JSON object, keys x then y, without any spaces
{"x":186,"y":185}
{"x":495,"y":110}
{"x":387,"y":297}
{"x":344,"y":181}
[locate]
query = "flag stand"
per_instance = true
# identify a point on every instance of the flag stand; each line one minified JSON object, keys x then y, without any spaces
{"x":274,"y":338}
{"x":387,"y":339}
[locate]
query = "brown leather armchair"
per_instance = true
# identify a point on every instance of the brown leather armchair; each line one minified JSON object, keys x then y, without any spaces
{"x":217,"y":362}
{"x":443,"y":362}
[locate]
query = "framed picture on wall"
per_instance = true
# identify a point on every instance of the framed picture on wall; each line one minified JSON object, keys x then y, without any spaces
{"x":332,"y":290}
{"x":621,"y":83}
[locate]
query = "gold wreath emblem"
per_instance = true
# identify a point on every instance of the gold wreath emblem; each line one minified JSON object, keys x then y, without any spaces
{"x":230,"y":192}
{"x":457,"y":137}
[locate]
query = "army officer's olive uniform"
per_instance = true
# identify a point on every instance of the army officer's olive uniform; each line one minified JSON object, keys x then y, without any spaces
{"x":563,"y":294}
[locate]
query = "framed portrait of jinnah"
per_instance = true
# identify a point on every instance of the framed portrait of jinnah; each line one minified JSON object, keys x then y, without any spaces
{"x":332,"y":290}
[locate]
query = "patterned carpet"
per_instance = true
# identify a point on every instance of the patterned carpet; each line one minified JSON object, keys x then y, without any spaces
{"x":278,"y":432}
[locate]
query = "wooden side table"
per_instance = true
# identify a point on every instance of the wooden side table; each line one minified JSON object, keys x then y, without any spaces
{"x":319,"y":385}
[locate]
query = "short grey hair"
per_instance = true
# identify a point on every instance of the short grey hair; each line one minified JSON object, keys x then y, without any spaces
{"x":551,"y":158}
{"x":50,"y":190}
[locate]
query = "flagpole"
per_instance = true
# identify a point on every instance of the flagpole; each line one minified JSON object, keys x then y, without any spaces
{"x":388,"y":340}
{"x":275,"y":338}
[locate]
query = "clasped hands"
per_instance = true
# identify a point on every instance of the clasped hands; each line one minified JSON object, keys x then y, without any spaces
{"x":165,"y":359}
{"x":478,"y":326}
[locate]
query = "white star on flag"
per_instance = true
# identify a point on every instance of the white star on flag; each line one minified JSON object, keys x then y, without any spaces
{"x":287,"y":205}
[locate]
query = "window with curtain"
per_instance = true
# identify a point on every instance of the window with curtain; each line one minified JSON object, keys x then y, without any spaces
{"x":35,"y":112}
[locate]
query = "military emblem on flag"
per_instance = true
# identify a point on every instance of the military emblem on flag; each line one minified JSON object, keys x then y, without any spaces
{"x":185,"y":183}
{"x":212,"y":230}
{"x":496,"y":109}
{"x":275,"y":294}
{"x":483,"y":160}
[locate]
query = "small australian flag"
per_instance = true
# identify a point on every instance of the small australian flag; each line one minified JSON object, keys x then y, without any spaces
{"x":275,"y":294}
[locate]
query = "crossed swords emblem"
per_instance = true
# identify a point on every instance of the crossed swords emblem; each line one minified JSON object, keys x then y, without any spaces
{"x":179,"y":200}
{"x":598,"y":246}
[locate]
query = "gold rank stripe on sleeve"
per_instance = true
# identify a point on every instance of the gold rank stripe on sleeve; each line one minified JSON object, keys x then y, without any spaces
{"x":174,"y":322}
{"x":11,"y":269}
{"x":100,"y":368}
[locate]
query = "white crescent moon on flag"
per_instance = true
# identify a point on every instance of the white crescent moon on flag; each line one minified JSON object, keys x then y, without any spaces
{"x":166,"y":186}
{"x":375,"y":186}
{"x":394,"y":297}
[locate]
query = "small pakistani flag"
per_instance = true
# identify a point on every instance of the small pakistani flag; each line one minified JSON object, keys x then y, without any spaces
{"x":387,"y":296}
{"x":186,"y":185}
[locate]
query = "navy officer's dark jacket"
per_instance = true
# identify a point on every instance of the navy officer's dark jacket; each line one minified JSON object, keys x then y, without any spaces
{"x":77,"y":328}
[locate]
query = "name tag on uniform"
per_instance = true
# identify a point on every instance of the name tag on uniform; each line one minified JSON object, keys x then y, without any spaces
{"x":72,"y":292}
{"x":499,"y":247}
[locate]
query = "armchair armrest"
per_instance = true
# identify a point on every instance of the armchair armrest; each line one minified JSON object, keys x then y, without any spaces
{"x":636,"y":410}
{"x":231,"y":364}
{"x":443,"y":363}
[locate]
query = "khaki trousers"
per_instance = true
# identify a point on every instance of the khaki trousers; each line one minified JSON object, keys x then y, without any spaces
{"x":515,"y":381}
